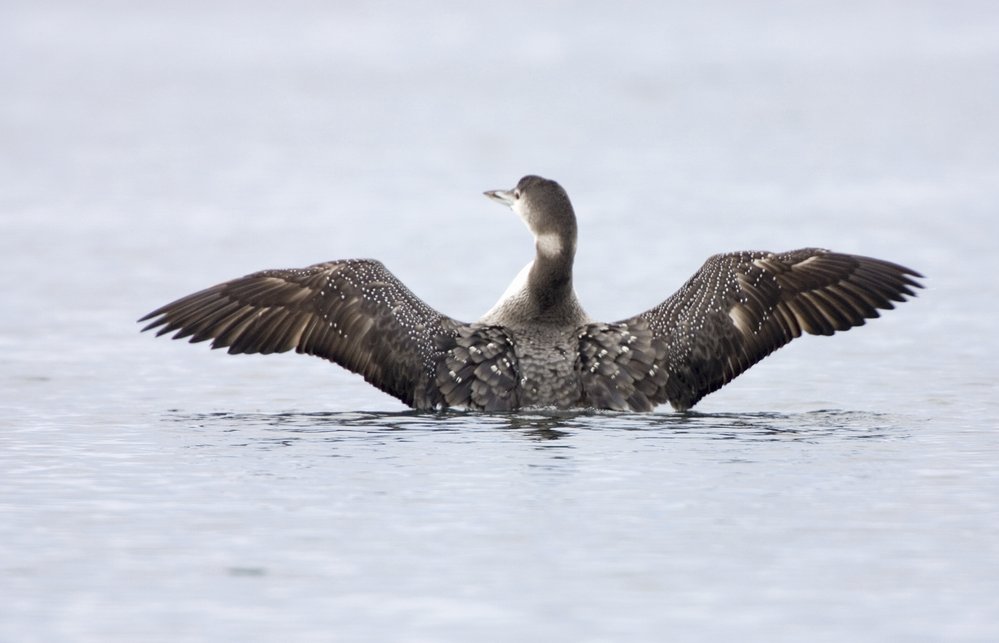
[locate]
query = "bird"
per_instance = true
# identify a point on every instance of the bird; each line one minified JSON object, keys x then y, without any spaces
{"x":537,"y":347}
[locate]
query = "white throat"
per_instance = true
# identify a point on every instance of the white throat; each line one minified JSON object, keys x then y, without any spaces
{"x":549,"y":244}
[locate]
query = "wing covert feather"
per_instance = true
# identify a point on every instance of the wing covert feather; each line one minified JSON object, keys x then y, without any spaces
{"x":740,"y":307}
{"x":354,"y":313}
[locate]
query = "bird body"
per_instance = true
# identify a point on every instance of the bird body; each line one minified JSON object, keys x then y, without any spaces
{"x":537,"y":347}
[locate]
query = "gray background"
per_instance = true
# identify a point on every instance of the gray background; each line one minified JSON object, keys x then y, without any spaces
{"x":845,"y":489}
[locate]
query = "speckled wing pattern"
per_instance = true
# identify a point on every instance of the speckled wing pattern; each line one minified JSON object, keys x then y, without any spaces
{"x":740,"y":307}
{"x":480,"y":369}
{"x":354,"y":313}
{"x":620,"y":366}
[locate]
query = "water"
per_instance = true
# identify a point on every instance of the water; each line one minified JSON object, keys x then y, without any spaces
{"x":844,"y":489}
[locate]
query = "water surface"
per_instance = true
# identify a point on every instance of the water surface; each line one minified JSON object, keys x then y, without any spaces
{"x":844,"y":489}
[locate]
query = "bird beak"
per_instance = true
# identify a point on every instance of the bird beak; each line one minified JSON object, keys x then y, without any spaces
{"x":501,"y":196}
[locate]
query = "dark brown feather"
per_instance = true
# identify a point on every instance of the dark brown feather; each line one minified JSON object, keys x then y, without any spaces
{"x":354,"y":312}
{"x":740,"y":307}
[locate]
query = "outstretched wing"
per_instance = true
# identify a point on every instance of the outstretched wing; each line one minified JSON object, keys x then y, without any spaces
{"x":740,"y":307}
{"x":354,"y":313}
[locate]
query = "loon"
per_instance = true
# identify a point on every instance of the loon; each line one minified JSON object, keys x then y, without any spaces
{"x":537,"y":347}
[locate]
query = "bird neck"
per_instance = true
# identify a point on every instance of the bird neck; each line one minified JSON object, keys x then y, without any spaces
{"x":549,"y":283}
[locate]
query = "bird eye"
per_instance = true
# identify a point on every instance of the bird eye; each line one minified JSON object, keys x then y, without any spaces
{"x":516,"y":194}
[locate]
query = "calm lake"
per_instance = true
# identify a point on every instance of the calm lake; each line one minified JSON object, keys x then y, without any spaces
{"x":845,"y":489}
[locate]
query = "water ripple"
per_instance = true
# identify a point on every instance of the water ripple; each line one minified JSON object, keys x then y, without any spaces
{"x":549,"y":426}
